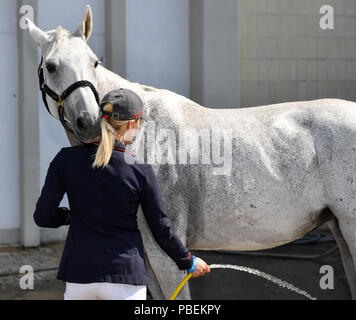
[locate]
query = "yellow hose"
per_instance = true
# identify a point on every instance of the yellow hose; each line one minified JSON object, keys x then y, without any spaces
{"x":181,"y":285}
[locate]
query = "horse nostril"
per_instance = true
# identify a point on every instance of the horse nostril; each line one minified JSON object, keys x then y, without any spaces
{"x":85,"y":124}
{"x":80,"y":123}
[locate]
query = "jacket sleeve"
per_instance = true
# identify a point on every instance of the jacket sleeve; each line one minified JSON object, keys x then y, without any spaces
{"x":152,"y":207}
{"x":47,"y":213}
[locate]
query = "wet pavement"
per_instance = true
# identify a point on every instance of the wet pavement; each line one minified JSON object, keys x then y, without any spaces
{"x":219,"y":284}
{"x":45,"y":259}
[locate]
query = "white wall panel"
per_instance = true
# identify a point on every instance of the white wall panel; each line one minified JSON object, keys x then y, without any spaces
{"x":9,"y":158}
{"x":157,"y":47}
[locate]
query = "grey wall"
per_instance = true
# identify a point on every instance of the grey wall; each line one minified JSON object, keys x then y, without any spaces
{"x":286,"y":56}
{"x":115,"y":29}
{"x":214,"y":53}
{"x":9,"y":160}
{"x":28,"y":130}
{"x":157,"y":43}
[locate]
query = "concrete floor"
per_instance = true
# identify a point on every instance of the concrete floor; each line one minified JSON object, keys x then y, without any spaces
{"x":219,"y":284}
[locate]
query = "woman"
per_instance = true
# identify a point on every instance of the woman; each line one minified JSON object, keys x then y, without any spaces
{"x":103,"y":253}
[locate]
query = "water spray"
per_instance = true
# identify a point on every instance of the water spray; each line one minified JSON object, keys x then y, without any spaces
{"x":255,"y":272}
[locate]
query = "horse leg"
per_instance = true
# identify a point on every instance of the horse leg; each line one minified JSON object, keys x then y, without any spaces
{"x":161,"y":265}
{"x":153,"y":288}
{"x":347,"y":249}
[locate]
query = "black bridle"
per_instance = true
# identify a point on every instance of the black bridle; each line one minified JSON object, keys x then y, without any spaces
{"x":60,"y":98}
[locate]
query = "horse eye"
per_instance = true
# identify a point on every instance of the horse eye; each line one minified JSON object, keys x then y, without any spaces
{"x":96,"y":64}
{"x":51,"y":67}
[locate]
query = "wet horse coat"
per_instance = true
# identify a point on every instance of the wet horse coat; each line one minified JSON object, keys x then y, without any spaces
{"x":287,"y":167}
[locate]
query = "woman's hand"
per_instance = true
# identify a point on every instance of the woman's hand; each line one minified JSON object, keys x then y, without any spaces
{"x":202,"y":268}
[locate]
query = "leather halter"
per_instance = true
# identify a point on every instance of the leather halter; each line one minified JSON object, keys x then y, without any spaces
{"x":60,"y":98}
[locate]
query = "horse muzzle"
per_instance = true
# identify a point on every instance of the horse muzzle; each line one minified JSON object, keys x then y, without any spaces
{"x":85,"y":126}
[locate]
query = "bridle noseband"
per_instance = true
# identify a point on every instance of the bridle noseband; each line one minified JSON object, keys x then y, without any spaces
{"x":60,"y":98}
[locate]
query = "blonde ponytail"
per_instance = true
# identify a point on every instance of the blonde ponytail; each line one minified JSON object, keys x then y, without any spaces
{"x":104,"y":151}
{"x":110,"y":130}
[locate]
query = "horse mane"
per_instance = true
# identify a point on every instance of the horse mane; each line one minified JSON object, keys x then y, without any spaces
{"x":60,"y":32}
{"x":57,"y":34}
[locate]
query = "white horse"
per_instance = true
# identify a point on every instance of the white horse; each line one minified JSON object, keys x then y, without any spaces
{"x":293,"y":165}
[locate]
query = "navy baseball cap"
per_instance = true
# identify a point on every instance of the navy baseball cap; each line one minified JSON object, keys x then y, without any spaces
{"x":124,"y":103}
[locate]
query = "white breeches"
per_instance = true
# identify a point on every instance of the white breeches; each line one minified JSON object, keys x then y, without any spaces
{"x":104,"y":291}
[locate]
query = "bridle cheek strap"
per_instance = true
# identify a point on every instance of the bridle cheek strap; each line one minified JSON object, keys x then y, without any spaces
{"x":60,"y":98}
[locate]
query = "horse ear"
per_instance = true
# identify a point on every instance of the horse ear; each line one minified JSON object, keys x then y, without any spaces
{"x":39,"y":36}
{"x":86,"y":26}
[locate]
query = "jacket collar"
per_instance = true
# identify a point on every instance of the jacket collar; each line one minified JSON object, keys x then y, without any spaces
{"x":117,"y":145}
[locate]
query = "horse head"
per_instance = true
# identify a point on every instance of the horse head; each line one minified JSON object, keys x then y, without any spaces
{"x":68,"y":60}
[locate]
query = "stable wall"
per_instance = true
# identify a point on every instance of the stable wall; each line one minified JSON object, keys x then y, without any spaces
{"x":9,"y":159}
{"x":286,"y":56}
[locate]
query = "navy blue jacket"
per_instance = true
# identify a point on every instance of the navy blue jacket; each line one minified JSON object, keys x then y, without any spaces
{"x":103,"y":242}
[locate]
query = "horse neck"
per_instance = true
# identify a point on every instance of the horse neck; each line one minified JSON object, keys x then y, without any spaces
{"x":108,"y":80}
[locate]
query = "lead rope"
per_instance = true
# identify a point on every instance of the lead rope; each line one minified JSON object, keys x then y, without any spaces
{"x":255,"y":272}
